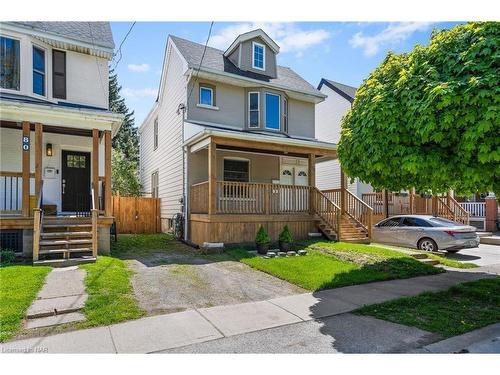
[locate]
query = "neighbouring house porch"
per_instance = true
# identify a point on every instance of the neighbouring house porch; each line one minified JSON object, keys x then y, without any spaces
{"x":55,"y":181}
{"x":237,"y":185}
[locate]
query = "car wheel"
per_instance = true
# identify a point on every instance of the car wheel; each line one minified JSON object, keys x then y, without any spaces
{"x":427,"y":244}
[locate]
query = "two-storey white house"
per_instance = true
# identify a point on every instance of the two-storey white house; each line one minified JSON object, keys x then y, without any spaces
{"x":56,"y":131}
{"x":230,"y":144}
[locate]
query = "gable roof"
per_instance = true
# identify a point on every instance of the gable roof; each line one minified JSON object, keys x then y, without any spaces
{"x":214,"y":59}
{"x":97,"y":33}
{"x":259,"y":33}
{"x":346,"y":91}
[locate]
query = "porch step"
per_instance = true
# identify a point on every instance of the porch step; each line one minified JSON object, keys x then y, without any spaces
{"x":65,"y":234}
{"x":65,"y":262}
{"x":64,"y":242}
{"x":66,"y":226}
{"x":64,"y":250}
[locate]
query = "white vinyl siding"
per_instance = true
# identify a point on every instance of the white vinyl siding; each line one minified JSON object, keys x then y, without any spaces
{"x":167,"y":159}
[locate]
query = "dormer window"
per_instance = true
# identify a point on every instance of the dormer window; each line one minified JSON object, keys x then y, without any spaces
{"x":258,"y":56}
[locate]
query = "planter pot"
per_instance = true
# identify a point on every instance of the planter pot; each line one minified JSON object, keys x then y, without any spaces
{"x":285,"y":246}
{"x":262,"y":248}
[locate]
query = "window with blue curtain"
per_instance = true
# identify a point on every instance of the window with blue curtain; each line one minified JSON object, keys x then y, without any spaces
{"x":38,"y":71}
{"x":258,"y":56}
{"x":9,"y":68}
{"x":272,"y":111}
{"x":206,"y":96}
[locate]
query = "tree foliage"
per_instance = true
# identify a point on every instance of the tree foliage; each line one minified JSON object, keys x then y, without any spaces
{"x":124,"y":175}
{"x":125,"y":157}
{"x":430,"y":118}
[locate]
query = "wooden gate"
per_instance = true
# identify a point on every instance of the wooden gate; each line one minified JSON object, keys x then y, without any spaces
{"x":136,"y":214}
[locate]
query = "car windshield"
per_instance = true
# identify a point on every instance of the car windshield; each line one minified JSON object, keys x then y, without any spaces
{"x":441,"y":222}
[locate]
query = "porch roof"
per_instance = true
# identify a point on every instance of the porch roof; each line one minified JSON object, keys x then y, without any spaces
{"x":262,"y":141}
{"x":69,"y":116}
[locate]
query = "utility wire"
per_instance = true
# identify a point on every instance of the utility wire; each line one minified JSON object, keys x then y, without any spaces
{"x":119,"y":51}
{"x":201,"y":62}
{"x":96,"y":62}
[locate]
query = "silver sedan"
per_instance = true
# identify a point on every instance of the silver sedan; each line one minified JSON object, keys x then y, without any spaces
{"x":424,"y":232}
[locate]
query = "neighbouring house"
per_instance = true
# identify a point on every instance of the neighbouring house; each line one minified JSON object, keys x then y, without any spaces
{"x":56,"y":131}
{"x":328,"y":118}
{"x":230,"y":144}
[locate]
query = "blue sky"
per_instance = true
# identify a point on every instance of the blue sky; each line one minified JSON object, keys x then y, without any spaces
{"x":343,"y":52}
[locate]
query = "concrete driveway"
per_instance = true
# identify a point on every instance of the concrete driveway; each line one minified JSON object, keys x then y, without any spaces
{"x":166,"y":283}
{"x":484,"y":255}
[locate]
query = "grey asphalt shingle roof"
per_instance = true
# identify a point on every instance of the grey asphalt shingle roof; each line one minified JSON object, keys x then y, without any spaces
{"x":215,"y":59}
{"x":346,"y":89}
{"x":98,"y":33}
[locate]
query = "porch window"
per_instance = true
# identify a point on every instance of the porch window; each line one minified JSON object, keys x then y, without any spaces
{"x":272,"y":111}
{"x":154,"y":184}
{"x":236,"y":170}
{"x":9,"y":57}
{"x":253,"y":110}
{"x":38,"y":71}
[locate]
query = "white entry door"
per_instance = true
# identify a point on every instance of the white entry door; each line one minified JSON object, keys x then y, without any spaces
{"x":301,"y":177}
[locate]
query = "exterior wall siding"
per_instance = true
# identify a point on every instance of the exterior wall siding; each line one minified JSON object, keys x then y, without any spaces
{"x":86,"y":76}
{"x":167,"y":159}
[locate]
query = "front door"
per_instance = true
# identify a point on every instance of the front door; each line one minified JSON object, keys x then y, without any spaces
{"x":75,"y":181}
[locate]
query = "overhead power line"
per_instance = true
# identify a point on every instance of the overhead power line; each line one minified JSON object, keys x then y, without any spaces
{"x":119,"y":51}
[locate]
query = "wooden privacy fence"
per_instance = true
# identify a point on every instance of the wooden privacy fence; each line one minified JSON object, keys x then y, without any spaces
{"x":136,"y":215}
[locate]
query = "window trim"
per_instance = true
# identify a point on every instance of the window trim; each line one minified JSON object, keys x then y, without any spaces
{"x":236,"y":158}
{"x":254,"y":44}
{"x":33,"y":70}
{"x":257,"y":110}
{"x":279,"y":112}
{"x":155,"y":133}
{"x":54,"y":74}
{"x":212,"y":92}
{"x":285,"y":114}
{"x":20,"y":63}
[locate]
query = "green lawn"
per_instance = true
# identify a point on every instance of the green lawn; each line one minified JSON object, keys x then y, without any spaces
{"x":460,"y":309}
{"x":111,"y":299}
{"x":19,"y":286}
{"x":331,"y":265}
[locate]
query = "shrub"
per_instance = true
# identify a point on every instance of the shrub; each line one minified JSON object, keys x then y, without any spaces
{"x":7,"y":256}
{"x":286,"y":235}
{"x":262,"y":237}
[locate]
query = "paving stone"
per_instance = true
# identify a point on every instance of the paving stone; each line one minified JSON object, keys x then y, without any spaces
{"x":162,"y":332}
{"x":281,"y":254}
{"x":54,"y":320}
{"x":47,"y":307}
{"x":302,"y":252}
{"x":291,"y":253}
{"x":271,"y":254}
{"x":247,"y":317}
{"x":63,"y":282}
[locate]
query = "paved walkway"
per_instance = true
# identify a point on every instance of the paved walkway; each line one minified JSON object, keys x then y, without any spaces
{"x":163,"y":332}
{"x":59,"y":300}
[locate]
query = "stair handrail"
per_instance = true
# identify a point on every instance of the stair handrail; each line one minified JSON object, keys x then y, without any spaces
{"x":365,"y":222}
{"x":94,"y":215}
{"x":319,"y":199}
{"x":37,"y":223}
{"x":462,"y":216}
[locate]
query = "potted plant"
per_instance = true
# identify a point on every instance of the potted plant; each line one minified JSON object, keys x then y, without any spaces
{"x":285,"y":239}
{"x":262,"y":241}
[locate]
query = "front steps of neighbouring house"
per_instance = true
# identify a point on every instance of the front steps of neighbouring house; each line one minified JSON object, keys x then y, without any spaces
{"x":350,"y":231}
{"x":65,"y":242}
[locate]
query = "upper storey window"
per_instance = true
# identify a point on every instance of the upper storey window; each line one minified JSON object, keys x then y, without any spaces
{"x":9,"y":57}
{"x":38,"y":71}
{"x":258,"y":56}
{"x":253,"y":109}
{"x":272,"y":111}
{"x":206,"y":96}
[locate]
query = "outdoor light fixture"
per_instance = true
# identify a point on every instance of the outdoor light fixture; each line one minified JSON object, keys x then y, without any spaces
{"x":48,"y":149}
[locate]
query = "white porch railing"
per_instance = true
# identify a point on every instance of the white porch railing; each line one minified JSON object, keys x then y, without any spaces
{"x":475,"y":209}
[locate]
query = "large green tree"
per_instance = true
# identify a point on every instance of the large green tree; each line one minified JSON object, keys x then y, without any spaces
{"x":430,"y":118}
{"x":125,"y":157}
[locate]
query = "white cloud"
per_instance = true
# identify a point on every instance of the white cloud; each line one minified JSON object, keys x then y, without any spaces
{"x":138,"y":67}
{"x":288,"y":36}
{"x":146,"y":92}
{"x":391,"y":35}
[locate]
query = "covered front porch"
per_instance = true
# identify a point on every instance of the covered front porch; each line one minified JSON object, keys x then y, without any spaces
{"x":55,"y":180}
{"x":238,"y":183}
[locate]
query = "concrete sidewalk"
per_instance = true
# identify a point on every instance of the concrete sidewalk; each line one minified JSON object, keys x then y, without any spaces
{"x":162,"y":332}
